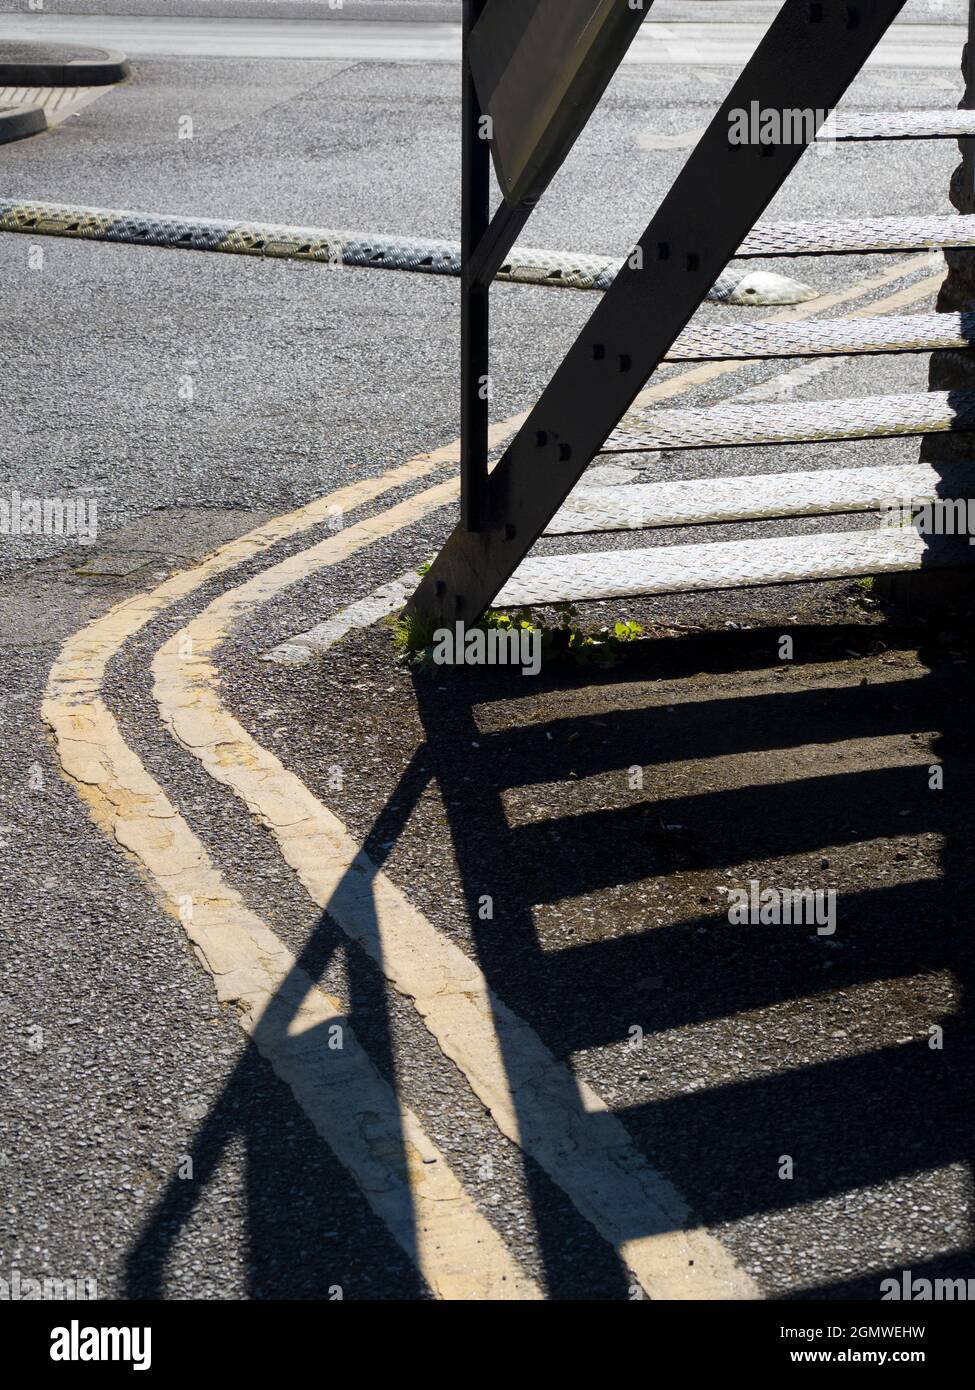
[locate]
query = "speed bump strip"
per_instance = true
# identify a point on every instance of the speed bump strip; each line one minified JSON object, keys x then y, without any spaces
{"x":560,"y":269}
{"x":526,"y":266}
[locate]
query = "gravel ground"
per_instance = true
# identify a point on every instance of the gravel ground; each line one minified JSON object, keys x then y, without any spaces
{"x":788,"y":1044}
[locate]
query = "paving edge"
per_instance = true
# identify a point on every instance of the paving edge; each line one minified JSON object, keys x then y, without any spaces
{"x":81,"y":72}
{"x":18,"y":122}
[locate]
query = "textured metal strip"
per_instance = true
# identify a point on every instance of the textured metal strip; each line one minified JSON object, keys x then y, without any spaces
{"x":855,"y":235}
{"x":707,"y":500}
{"x":851,"y":236}
{"x":899,"y":125}
{"x":824,"y":338}
{"x":675,"y":569}
{"x":867,"y":417}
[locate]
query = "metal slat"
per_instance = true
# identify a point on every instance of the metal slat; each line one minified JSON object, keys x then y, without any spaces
{"x":706,"y":501}
{"x":857,"y":235}
{"x":899,"y":125}
{"x":877,"y":334}
{"x":849,"y":236}
{"x":675,"y":569}
{"x":867,"y":417}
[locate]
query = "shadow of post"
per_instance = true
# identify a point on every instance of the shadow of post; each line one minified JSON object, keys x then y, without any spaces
{"x":294,"y":1248}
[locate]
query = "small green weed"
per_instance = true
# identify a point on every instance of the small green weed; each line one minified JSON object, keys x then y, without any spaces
{"x":564,"y":640}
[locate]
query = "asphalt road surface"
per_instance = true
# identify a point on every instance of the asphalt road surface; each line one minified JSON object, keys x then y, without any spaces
{"x":696,"y":11}
{"x":680,"y":43}
{"x":197,"y":397}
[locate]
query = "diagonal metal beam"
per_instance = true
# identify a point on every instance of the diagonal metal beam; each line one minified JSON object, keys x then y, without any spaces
{"x":495,"y":245}
{"x":807,"y":59}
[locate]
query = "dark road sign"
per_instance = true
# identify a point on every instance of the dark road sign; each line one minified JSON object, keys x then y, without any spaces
{"x":540,"y":70}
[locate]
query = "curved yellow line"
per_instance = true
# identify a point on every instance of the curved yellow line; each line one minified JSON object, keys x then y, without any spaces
{"x":404,"y":1176}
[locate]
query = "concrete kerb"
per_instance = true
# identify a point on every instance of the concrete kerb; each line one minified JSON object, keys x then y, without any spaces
{"x":60,"y":65}
{"x":17,"y":122}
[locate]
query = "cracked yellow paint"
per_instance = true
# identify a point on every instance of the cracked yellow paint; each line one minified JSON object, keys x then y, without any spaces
{"x":405,"y":1178}
{"x":594,"y":1161}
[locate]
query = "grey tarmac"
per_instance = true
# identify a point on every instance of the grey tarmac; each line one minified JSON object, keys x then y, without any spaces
{"x":303,"y":382}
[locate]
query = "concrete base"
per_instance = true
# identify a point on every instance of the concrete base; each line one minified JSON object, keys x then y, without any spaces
{"x":59,"y":65}
{"x":17,"y":122}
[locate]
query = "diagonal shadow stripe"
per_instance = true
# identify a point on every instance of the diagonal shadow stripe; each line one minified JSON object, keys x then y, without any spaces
{"x":715,"y":727}
{"x":822,"y":812}
{"x":848,"y":1123}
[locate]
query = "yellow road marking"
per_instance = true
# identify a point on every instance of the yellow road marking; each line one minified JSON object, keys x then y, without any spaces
{"x":594,"y":1162}
{"x":404,"y":1176}
{"x":252,"y":966}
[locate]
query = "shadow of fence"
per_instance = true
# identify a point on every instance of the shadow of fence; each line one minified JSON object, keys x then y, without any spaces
{"x":880,"y":1113}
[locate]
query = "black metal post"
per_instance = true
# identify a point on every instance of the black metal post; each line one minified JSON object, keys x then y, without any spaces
{"x":967,"y":147}
{"x":475,"y":296}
